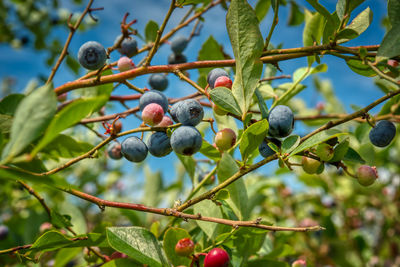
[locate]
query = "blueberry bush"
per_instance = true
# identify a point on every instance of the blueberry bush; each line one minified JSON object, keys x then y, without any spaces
{"x":255,"y":176}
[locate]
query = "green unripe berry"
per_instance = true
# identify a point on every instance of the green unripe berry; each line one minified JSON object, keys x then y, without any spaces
{"x":312,"y":166}
{"x":325,"y":152}
{"x":225,"y":139}
{"x":366,"y":175}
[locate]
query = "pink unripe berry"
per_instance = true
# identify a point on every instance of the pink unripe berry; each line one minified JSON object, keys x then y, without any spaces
{"x":125,"y":63}
{"x":299,"y":263}
{"x":152,"y":114}
{"x":217,"y":257}
{"x":393,"y":63}
{"x":62,"y":97}
{"x":225,"y":139}
{"x":184,"y":247}
{"x":223,"y":81}
{"x":45,"y":226}
{"x":366,"y":175}
{"x":166,"y":121}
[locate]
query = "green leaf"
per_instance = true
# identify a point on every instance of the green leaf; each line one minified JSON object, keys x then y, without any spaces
{"x":64,"y":146}
{"x":152,"y":188}
{"x":357,"y":26}
{"x":210,"y":151}
{"x":69,"y":116}
{"x":9,"y":104}
{"x":247,"y":44}
{"x":224,"y":99}
{"x":138,"y":243}
{"x":59,"y":220}
{"x":313,"y":30}
{"x":208,"y":209}
{"x":122,"y":263}
{"x":351,"y":5}
{"x":290,"y":143}
{"x":31,"y":118}
{"x":151,"y":31}
{"x":5,"y":123}
{"x":340,"y":150}
{"x":252,"y":138}
{"x":267,"y":262}
{"x":189,"y":164}
{"x":261,"y":104}
{"x":393,"y":7}
{"x":237,"y":190}
{"x":210,"y":50}
{"x":353,"y":156}
{"x":321,"y":9}
{"x":222,"y":194}
{"x":390,"y":46}
{"x":171,"y":238}
{"x":191,"y":2}
{"x":65,"y":255}
{"x":296,"y":17}
{"x":316,"y":139}
{"x":262,"y":8}
{"x":360,"y":68}
{"x":248,"y":241}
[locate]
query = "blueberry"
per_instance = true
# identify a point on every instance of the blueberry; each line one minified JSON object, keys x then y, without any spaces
{"x":382,"y":134}
{"x":176,"y":58}
{"x":159,"y":144}
{"x":178,"y":44}
{"x":158,"y":81}
{"x":214,"y":74}
{"x":3,"y":232}
{"x":190,"y":112}
{"x":153,"y":97}
{"x":186,"y":140}
{"x":174,"y":109}
{"x":114,"y":150}
{"x":128,"y":46}
{"x":133,"y":149}
{"x":92,"y":55}
{"x":281,"y":121}
{"x":264,"y":148}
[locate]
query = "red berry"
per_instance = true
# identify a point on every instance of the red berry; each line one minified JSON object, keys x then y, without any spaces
{"x":166,"y":121}
{"x":117,"y":127}
{"x":184,"y":247}
{"x":299,"y":263}
{"x":217,"y":257}
{"x":393,"y":63}
{"x":225,"y":139}
{"x":125,"y":63}
{"x":366,"y":175}
{"x":223,"y":81}
{"x":152,"y":114}
{"x":62,"y":97}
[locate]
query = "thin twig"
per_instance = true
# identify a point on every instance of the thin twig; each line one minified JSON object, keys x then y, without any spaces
{"x":159,"y":33}
{"x":274,"y":23}
{"x":37,"y":196}
{"x":64,"y":52}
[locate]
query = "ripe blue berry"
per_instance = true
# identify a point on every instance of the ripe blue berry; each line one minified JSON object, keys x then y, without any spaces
{"x":153,"y":97}
{"x":382,"y":134}
{"x":92,"y":55}
{"x":186,"y":140}
{"x":114,"y":150}
{"x":158,"y":81}
{"x":190,"y":112}
{"x":3,"y":232}
{"x":264,"y":148}
{"x":179,"y":44}
{"x":281,"y":121}
{"x":159,"y":144}
{"x":214,"y":74}
{"x":174,"y":110}
{"x":176,"y":58}
{"x":133,"y":149}
{"x":128,"y":46}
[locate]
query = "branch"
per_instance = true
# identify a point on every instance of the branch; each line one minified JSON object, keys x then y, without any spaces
{"x":274,"y":23}
{"x":64,"y":52}
{"x":37,"y":196}
{"x":159,"y":33}
{"x":185,"y":216}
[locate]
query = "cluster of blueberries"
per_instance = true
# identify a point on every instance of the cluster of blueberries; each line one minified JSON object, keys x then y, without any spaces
{"x":178,"y":45}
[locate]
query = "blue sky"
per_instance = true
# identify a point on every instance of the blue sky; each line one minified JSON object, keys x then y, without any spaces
{"x":351,"y":88}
